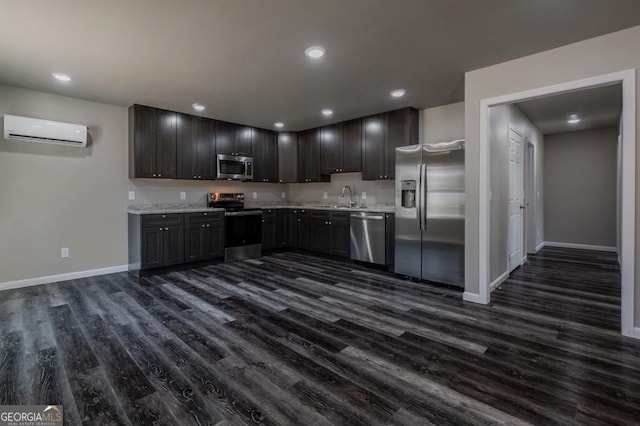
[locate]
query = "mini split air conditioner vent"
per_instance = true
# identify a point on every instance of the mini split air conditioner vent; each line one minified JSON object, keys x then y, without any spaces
{"x":44,"y":131}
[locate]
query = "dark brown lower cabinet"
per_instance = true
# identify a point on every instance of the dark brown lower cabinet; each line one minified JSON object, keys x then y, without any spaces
{"x":302,"y":231}
{"x":161,"y":240}
{"x":291,"y":223}
{"x":269,"y":231}
{"x":204,"y":236}
{"x":282,"y":228}
{"x":329,"y":233}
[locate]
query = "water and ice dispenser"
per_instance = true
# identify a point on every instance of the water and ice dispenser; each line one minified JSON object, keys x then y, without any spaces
{"x":408,"y":191}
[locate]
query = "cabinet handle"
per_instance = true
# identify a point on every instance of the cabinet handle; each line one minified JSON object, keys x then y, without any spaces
{"x":154,"y":175}
{"x":380,"y":176}
{"x":195,"y":177}
{"x":199,"y":177}
{"x":159,"y":174}
{"x":164,"y":215}
{"x":203,"y":226}
{"x":166,"y":229}
{"x":208,"y":226}
{"x":205,"y":214}
{"x":161,"y":229}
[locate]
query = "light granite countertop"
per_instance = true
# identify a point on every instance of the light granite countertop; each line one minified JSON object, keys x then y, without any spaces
{"x":169,"y":208}
{"x":141,"y":209}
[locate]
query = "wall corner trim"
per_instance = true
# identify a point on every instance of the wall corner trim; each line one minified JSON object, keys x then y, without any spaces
{"x":502,"y":278}
{"x":62,"y":277}
{"x":540,"y":246}
{"x":474,"y":298}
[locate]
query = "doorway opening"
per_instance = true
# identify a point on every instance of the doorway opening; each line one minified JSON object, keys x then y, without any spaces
{"x":524,"y":231}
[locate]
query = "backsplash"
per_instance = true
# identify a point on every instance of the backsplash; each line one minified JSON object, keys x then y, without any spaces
{"x":378,"y":191}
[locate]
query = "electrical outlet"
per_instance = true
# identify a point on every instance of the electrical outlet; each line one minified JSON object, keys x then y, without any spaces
{"x":183,"y":195}
{"x":255,"y":195}
{"x":325,"y":196}
{"x":364,"y":196}
{"x":64,"y":252}
{"x":283,"y":196}
{"x":132,"y":195}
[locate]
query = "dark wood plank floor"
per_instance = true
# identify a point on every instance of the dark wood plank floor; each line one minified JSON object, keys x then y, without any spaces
{"x":295,"y":339}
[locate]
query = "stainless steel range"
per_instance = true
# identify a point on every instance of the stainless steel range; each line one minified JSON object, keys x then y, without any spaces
{"x":243,"y":226}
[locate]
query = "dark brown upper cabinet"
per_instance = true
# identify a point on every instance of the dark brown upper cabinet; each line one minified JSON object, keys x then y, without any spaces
{"x":265,"y":156}
{"x":152,"y":142}
{"x":196,"y":147}
{"x":381,"y":135}
{"x":309,"y":146}
{"x":287,"y":157}
{"x":233,"y":139}
{"x":341,"y":147}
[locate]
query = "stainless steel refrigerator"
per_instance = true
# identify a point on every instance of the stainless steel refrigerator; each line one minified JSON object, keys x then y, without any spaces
{"x":429,"y":214}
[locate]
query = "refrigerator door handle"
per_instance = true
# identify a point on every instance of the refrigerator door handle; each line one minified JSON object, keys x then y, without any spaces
{"x":419,"y":197}
{"x":423,"y":197}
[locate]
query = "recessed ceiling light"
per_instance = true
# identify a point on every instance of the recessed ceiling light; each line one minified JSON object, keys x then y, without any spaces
{"x":573,"y":119}
{"x":198,"y":107}
{"x":327,"y":112}
{"x":398,"y":93}
{"x":61,"y":76}
{"x":279,"y":124}
{"x":315,"y":52}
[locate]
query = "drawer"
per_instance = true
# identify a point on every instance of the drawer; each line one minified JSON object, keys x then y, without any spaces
{"x":203,"y":217}
{"x":162,"y":219}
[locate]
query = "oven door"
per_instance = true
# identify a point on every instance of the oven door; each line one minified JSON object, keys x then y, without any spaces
{"x":243,"y":228}
{"x":234,"y":167}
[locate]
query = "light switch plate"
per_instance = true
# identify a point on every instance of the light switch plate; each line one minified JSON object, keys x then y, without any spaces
{"x":325,"y":196}
{"x":64,"y":252}
{"x":364,"y":196}
{"x":255,"y":195}
{"x":283,"y":196}
{"x":183,"y":195}
{"x":132,"y":195}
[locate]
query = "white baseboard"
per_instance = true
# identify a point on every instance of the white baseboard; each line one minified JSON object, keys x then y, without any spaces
{"x":579,"y":246}
{"x":473,"y":297}
{"x":502,"y":278}
{"x":62,"y":277}
{"x":636,"y":332}
{"x":539,"y":246}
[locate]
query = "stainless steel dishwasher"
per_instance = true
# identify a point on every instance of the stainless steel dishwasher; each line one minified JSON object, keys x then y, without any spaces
{"x":368,"y":237}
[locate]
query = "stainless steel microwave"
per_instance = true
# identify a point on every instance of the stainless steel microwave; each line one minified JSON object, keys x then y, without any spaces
{"x":235,"y":167}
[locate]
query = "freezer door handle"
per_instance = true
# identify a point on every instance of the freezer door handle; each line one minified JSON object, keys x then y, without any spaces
{"x":423,"y":196}
{"x":419,"y":197}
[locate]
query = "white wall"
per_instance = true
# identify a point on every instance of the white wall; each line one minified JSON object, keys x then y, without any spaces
{"x":610,"y":53}
{"x":55,"y":196}
{"x":580,"y":170}
{"x":500,"y":118}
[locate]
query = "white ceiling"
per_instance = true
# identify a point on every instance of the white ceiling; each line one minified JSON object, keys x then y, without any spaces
{"x":244,"y":59}
{"x":597,"y":108}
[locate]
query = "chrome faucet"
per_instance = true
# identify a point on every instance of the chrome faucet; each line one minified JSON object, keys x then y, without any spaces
{"x":352,"y":201}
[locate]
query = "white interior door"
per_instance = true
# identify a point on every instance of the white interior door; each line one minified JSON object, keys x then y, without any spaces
{"x":515,"y":199}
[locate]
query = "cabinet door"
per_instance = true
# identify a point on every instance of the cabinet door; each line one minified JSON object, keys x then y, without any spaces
{"x":373,"y":148}
{"x":319,"y":232}
{"x":187,"y":147}
{"x":401,"y":130}
{"x":151,"y":247}
{"x":268,"y":230}
{"x":214,"y":239}
{"x":303,"y":229}
{"x":142,"y":140}
{"x":309,"y":143}
{"x":352,"y":146}
{"x":340,"y":234}
{"x":173,"y":245}
{"x":242,"y":140}
{"x":166,"y":145}
{"x":206,"y":156}
{"x":281,"y":228}
{"x":331,"y":149}
{"x":225,"y":134}
{"x":287,"y":157}
{"x":292,"y":228}
{"x":194,"y":242}
{"x":265,"y":156}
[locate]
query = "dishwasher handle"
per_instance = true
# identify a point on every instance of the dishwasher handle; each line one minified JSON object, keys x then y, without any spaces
{"x":368,"y":217}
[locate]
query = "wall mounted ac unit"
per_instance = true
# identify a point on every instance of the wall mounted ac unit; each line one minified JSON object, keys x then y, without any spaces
{"x":44,"y":131}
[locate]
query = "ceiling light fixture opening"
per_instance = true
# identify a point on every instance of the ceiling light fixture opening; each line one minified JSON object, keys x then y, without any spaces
{"x":327,"y":112}
{"x":315,"y":52}
{"x":198,"y":107}
{"x":573,"y":119}
{"x":279,"y":124}
{"x":60,"y":76}
{"x":398,"y":93}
